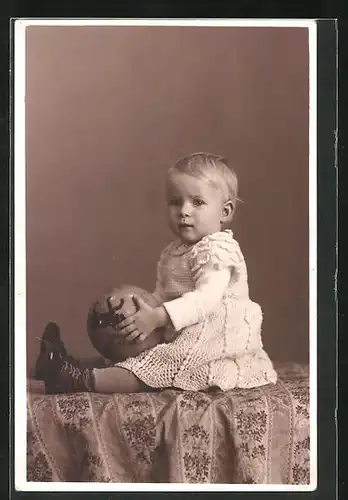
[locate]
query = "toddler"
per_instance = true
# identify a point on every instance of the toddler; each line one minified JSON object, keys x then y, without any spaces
{"x":212,"y":330}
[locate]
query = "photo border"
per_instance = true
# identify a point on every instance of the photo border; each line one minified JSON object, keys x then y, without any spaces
{"x":325,"y":232}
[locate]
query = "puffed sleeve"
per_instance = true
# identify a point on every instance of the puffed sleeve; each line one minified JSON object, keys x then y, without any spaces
{"x":212,"y":261}
{"x":215,"y":252}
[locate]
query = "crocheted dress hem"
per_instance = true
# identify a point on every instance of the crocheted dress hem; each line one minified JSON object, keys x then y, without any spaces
{"x":257,"y":380}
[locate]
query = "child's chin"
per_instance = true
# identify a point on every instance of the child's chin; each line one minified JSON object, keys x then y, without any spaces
{"x":187,"y":237}
{"x":189,"y":240}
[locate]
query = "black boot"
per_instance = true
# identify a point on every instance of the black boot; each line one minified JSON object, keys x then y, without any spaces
{"x":50,"y":341}
{"x":61,"y":373}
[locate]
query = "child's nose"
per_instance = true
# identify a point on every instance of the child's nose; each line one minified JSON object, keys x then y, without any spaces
{"x":185,"y":208}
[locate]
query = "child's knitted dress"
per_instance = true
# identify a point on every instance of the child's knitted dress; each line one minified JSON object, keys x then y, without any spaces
{"x":213,"y":342}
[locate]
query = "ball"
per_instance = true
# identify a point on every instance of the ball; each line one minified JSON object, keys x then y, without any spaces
{"x":107,"y":312}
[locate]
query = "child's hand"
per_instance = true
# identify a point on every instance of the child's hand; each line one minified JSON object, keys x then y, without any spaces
{"x":138,"y":326}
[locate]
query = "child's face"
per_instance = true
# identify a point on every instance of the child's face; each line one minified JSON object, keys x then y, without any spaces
{"x":195,"y":208}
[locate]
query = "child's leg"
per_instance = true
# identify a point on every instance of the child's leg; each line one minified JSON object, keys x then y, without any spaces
{"x":95,"y":362}
{"x":116,"y":379}
{"x":62,"y":373}
{"x":51,"y":341}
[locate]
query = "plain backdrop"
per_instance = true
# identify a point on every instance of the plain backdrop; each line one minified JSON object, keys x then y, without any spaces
{"x":108,"y":110}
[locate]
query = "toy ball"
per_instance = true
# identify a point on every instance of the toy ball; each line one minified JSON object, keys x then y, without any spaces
{"x":104,"y":316}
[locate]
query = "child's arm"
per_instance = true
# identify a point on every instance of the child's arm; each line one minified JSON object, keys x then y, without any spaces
{"x":192,"y":307}
{"x":212,"y":260}
{"x":138,"y":326}
{"x":184,"y":311}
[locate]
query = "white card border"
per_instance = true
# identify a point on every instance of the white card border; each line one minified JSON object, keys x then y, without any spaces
{"x":20,"y":369}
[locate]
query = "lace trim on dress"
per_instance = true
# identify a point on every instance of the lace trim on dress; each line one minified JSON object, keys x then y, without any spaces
{"x":216,"y":251}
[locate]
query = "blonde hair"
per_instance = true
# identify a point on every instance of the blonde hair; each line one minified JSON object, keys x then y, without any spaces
{"x":214,"y":169}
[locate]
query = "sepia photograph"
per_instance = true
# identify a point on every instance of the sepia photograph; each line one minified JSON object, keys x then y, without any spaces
{"x":165,"y":255}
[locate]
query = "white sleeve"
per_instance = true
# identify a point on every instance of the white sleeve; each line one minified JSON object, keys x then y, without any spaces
{"x":192,"y":307}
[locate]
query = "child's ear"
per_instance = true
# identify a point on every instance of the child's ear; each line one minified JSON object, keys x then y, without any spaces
{"x":227,"y":211}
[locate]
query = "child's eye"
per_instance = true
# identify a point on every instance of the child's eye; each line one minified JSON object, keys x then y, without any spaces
{"x":198,"y":202}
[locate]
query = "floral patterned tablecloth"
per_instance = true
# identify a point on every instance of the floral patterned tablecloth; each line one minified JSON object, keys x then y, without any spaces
{"x":255,"y":436}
